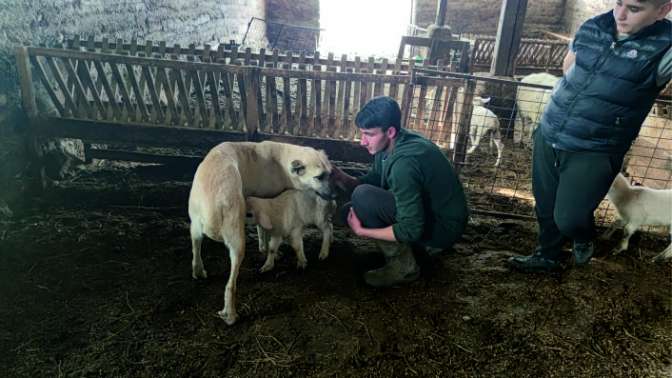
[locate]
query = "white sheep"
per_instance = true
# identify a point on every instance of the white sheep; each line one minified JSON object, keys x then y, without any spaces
{"x":286,"y":216}
{"x":531,"y":103}
{"x":639,"y":206}
{"x":484,"y":121}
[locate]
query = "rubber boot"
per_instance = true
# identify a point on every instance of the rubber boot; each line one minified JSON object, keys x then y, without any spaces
{"x":400,"y":266}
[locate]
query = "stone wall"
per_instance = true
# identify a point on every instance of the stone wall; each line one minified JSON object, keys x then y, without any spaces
{"x":292,"y":24}
{"x":482,"y":16}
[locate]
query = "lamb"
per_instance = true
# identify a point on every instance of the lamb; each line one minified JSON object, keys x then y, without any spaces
{"x":484,"y":121}
{"x":285,"y":216}
{"x":531,"y":103}
{"x":640,"y":206}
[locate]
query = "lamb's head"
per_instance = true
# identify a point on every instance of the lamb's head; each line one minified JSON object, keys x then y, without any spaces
{"x":311,"y":170}
{"x":619,"y":185}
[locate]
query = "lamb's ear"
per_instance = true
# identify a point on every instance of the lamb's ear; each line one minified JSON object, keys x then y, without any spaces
{"x":298,"y":167}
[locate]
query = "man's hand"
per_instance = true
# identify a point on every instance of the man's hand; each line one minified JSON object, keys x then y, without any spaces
{"x":343,"y":180}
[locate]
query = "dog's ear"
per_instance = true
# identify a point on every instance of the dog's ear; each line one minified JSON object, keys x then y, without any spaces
{"x":298,"y":167}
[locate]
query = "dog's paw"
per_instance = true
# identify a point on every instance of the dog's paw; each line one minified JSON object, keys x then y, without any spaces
{"x":267,"y":267}
{"x":323,"y":255}
{"x":301,"y":264}
{"x":199,"y":273}
{"x":229,"y":318}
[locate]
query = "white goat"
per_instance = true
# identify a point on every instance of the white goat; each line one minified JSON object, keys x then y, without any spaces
{"x":285,"y":216}
{"x":640,"y":206}
{"x":531,"y":103}
{"x":484,"y":121}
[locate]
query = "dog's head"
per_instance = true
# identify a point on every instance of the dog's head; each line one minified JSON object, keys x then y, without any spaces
{"x":312,"y":171}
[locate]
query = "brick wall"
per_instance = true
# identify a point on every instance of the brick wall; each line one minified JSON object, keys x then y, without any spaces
{"x":482,"y":16}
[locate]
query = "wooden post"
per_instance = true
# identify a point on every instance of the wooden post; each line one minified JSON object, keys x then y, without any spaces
{"x":510,"y":30}
{"x":252,"y":75}
{"x":460,"y":152}
{"x":26,"y":80}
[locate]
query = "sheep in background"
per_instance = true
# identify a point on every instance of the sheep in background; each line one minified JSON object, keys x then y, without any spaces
{"x":484,"y":121}
{"x":531,"y":103}
{"x":638,"y":206}
{"x":285,"y":216}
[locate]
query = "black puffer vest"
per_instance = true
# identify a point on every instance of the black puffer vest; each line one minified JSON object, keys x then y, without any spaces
{"x":602,"y":101}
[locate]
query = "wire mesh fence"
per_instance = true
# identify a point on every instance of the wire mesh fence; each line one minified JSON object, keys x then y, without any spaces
{"x":486,"y":127}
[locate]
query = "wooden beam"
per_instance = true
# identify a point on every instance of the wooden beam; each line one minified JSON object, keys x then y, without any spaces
{"x":160,"y":136}
{"x":509,"y":33}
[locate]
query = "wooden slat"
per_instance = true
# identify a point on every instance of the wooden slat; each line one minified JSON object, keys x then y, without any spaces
{"x":330,"y":100}
{"x":37,"y":65}
{"x":139,"y":98}
{"x":260,"y":99}
{"x":200,"y":99}
{"x":183,"y":100}
{"x":213,"y":84}
{"x":302,"y":100}
{"x":315,"y":123}
{"x":157,"y":111}
{"x":272,"y":97}
{"x":341,"y":105}
{"x":121,"y":86}
{"x":85,"y":75}
{"x":252,"y":87}
{"x":379,"y":86}
{"x":56,"y":74}
{"x":420,"y":111}
{"x":163,"y":82}
{"x":231,"y":112}
{"x":287,"y":119}
{"x":394,"y":87}
{"x":356,"y":96}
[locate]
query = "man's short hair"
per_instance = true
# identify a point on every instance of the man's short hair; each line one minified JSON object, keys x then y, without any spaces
{"x":382,"y":111}
{"x":654,"y":2}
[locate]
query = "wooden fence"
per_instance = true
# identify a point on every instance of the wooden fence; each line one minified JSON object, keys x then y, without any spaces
{"x":534,"y":55}
{"x":112,"y":93}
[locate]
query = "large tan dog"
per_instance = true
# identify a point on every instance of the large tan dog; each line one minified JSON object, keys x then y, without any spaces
{"x":229,"y":173}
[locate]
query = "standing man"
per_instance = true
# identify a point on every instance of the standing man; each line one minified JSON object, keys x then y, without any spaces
{"x":410,"y":198}
{"x":617,"y":65}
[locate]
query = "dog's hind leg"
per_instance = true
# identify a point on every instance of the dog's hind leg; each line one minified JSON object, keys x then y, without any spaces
{"x":234,"y":238}
{"x":197,"y":270}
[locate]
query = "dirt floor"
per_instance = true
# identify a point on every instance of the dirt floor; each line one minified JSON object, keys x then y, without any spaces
{"x":95,"y":280}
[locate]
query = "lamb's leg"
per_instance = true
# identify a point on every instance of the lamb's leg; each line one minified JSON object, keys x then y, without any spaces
{"x":475,"y":141}
{"x":618,"y":223}
{"x":630,"y":229}
{"x":272,"y":253}
{"x":263,"y":240}
{"x":497,"y":138}
{"x":327,"y":236}
{"x":197,"y":270}
{"x":296,"y":239}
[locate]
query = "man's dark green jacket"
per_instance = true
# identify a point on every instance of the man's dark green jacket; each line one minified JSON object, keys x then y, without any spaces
{"x":431,"y":205}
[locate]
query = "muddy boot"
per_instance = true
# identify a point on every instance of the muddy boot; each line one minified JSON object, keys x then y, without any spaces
{"x":583,"y":252}
{"x":400,"y":266}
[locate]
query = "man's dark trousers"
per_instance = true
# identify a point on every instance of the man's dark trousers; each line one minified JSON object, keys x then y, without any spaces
{"x":568,"y":187}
